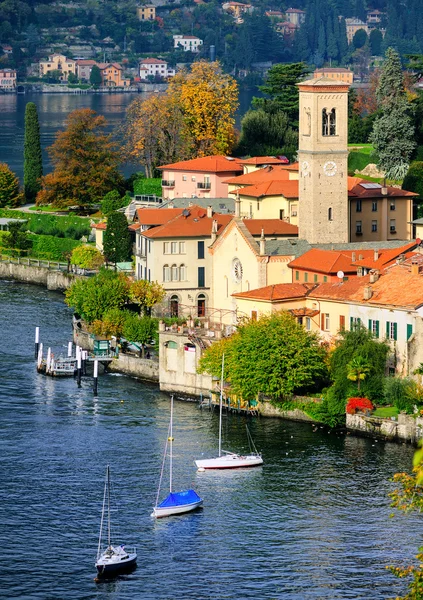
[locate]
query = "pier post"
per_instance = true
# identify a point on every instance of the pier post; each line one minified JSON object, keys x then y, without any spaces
{"x":95,"y":389}
{"x":40,"y":356}
{"x":78,"y":371}
{"x":48,"y":361}
{"x":84,"y":354}
{"x":70,"y":349}
{"x":37,"y":341}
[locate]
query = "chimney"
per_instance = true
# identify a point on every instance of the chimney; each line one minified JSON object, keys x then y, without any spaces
{"x":353,"y":257}
{"x":415,"y":268}
{"x":262,"y":244}
{"x":170,"y":205}
{"x":384,"y":191}
{"x":209,"y":212}
{"x":367,"y":292}
{"x":214,"y":231}
{"x":190,"y":204}
{"x":374,"y":276}
{"x":375,"y":255}
{"x":237,"y":205}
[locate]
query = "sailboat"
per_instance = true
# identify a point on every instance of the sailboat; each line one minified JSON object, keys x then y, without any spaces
{"x":114,"y":560}
{"x":175,"y":503}
{"x":225,"y":459}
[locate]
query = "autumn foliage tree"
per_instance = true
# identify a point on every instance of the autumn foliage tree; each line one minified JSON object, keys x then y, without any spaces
{"x":195,"y":117}
{"x":85,"y":163}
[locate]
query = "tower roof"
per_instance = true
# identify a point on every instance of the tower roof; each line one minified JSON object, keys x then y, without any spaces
{"x":319,"y":82}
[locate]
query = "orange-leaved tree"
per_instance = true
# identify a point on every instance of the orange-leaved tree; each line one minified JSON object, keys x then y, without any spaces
{"x":208,"y":99}
{"x":85,"y":163}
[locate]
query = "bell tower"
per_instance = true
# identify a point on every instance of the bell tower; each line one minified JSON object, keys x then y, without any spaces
{"x":322,"y":157}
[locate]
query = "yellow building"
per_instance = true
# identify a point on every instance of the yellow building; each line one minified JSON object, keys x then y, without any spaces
{"x":146,"y":12}
{"x":112,"y":75}
{"x":336,"y":73}
{"x":58,"y":62}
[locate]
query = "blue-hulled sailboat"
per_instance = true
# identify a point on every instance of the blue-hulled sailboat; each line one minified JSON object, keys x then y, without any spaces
{"x":175,"y":503}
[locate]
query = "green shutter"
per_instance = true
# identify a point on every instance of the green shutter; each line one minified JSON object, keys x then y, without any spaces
{"x":297,"y":275}
{"x":395,"y":331}
{"x":409,"y":331}
{"x":351,"y":323}
{"x":370,"y":326}
{"x":387,"y":329}
{"x":377,"y":329}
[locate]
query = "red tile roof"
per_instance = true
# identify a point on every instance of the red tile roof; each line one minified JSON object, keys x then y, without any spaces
{"x":272,"y":173}
{"x":270,"y":227}
{"x":288,"y":189}
{"x":157,"y":216}
{"x":276,"y":292}
{"x":328,"y":261}
{"x":102,"y":226}
{"x":356,"y":189}
{"x":261,"y":160}
{"x":384,"y":257}
{"x":152,"y":61}
{"x":207,"y":164}
{"x":196,"y":224}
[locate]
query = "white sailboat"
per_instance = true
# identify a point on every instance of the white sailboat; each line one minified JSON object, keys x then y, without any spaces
{"x":175,"y":503}
{"x":114,"y":560}
{"x":225,"y":459}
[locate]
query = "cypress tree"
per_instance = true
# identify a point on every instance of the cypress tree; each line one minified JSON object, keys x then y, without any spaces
{"x":117,"y":245}
{"x":33,"y":161}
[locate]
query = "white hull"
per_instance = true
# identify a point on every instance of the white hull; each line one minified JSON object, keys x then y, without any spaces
{"x":168,"y":511}
{"x":230,"y":461}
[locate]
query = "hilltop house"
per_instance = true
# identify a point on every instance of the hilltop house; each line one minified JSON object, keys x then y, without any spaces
{"x":189,"y":43}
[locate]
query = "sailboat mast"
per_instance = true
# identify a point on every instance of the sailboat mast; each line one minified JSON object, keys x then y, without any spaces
{"x":102,"y":517}
{"x":108,"y":505}
{"x":171,"y":443}
{"x":220,"y":406}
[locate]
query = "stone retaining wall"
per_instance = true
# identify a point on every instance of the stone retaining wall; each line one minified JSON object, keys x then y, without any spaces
{"x":52,"y":280}
{"x":407,"y":428}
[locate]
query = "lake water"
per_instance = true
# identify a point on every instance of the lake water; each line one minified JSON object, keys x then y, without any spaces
{"x":53,"y":110}
{"x":312,"y":523}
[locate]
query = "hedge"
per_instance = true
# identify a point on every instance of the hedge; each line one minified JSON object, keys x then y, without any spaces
{"x":52,"y":248}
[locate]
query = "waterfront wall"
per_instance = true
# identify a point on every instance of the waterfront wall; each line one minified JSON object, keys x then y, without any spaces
{"x":52,"y":280}
{"x":407,"y":428}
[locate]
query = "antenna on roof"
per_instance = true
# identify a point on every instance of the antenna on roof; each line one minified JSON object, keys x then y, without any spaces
{"x":340,"y":275}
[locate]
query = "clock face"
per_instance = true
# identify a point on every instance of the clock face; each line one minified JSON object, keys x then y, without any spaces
{"x":330,"y":168}
{"x":237,"y":270}
{"x":305,"y":166}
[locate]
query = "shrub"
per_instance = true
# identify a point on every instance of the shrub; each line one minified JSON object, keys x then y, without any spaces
{"x":358,"y":404}
{"x":52,"y":248}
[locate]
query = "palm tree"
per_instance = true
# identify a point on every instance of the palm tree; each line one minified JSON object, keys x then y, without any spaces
{"x":358,"y":369}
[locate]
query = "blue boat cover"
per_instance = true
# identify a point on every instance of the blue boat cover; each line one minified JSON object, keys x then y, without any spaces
{"x":180,"y":499}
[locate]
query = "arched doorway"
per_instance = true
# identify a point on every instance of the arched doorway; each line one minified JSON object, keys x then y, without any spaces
{"x":174,"y":306}
{"x":201,"y":305}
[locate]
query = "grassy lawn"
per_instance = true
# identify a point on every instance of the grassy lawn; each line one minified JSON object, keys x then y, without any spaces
{"x":359,"y":157}
{"x":385,"y":412}
{"x":47,"y":208}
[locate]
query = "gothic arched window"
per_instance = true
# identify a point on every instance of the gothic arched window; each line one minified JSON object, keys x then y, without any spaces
{"x":332,"y":122}
{"x":325,"y":122}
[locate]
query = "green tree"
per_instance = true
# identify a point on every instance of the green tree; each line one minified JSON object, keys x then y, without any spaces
{"x":95,"y":76}
{"x":72,"y":78}
{"x":375,"y":41}
{"x":117,"y":244}
{"x":17,"y":240}
{"x":111,"y":324}
{"x":359,"y":39}
{"x":111,"y":202}
{"x":358,"y":369}
{"x":10,"y":194}
{"x":92,"y":297}
{"x":281,"y":90}
{"x":85,"y":163}
{"x":393,"y":130}
{"x":413,"y":181}
{"x":86,"y":257}
{"x":140,"y":330}
{"x":274,"y":356}
{"x":33,"y":161}
{"x":147,"y":294}
{"x":267,"y":134}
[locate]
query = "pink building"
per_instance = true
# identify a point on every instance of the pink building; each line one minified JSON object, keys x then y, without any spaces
{"x":8,"y":80}
{"x":200,"y":177}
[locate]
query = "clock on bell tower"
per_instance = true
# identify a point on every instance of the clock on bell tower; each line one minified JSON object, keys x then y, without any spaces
{"x":323,"y":158}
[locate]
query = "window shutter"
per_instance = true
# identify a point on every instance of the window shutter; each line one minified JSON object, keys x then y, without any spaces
{"x":370,"y":326}
{"x":409,"y":331}
{"x":387,"y":329}
{"x":322,"y":322}
{"x":351,"y":323}
{"x":377,"y":329}
{"x":395,"y":331}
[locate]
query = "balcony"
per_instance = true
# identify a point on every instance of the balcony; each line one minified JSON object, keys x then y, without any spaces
{"x":206,"y":185}
{"x":139,"y":252}
{"x":168,"y":183}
